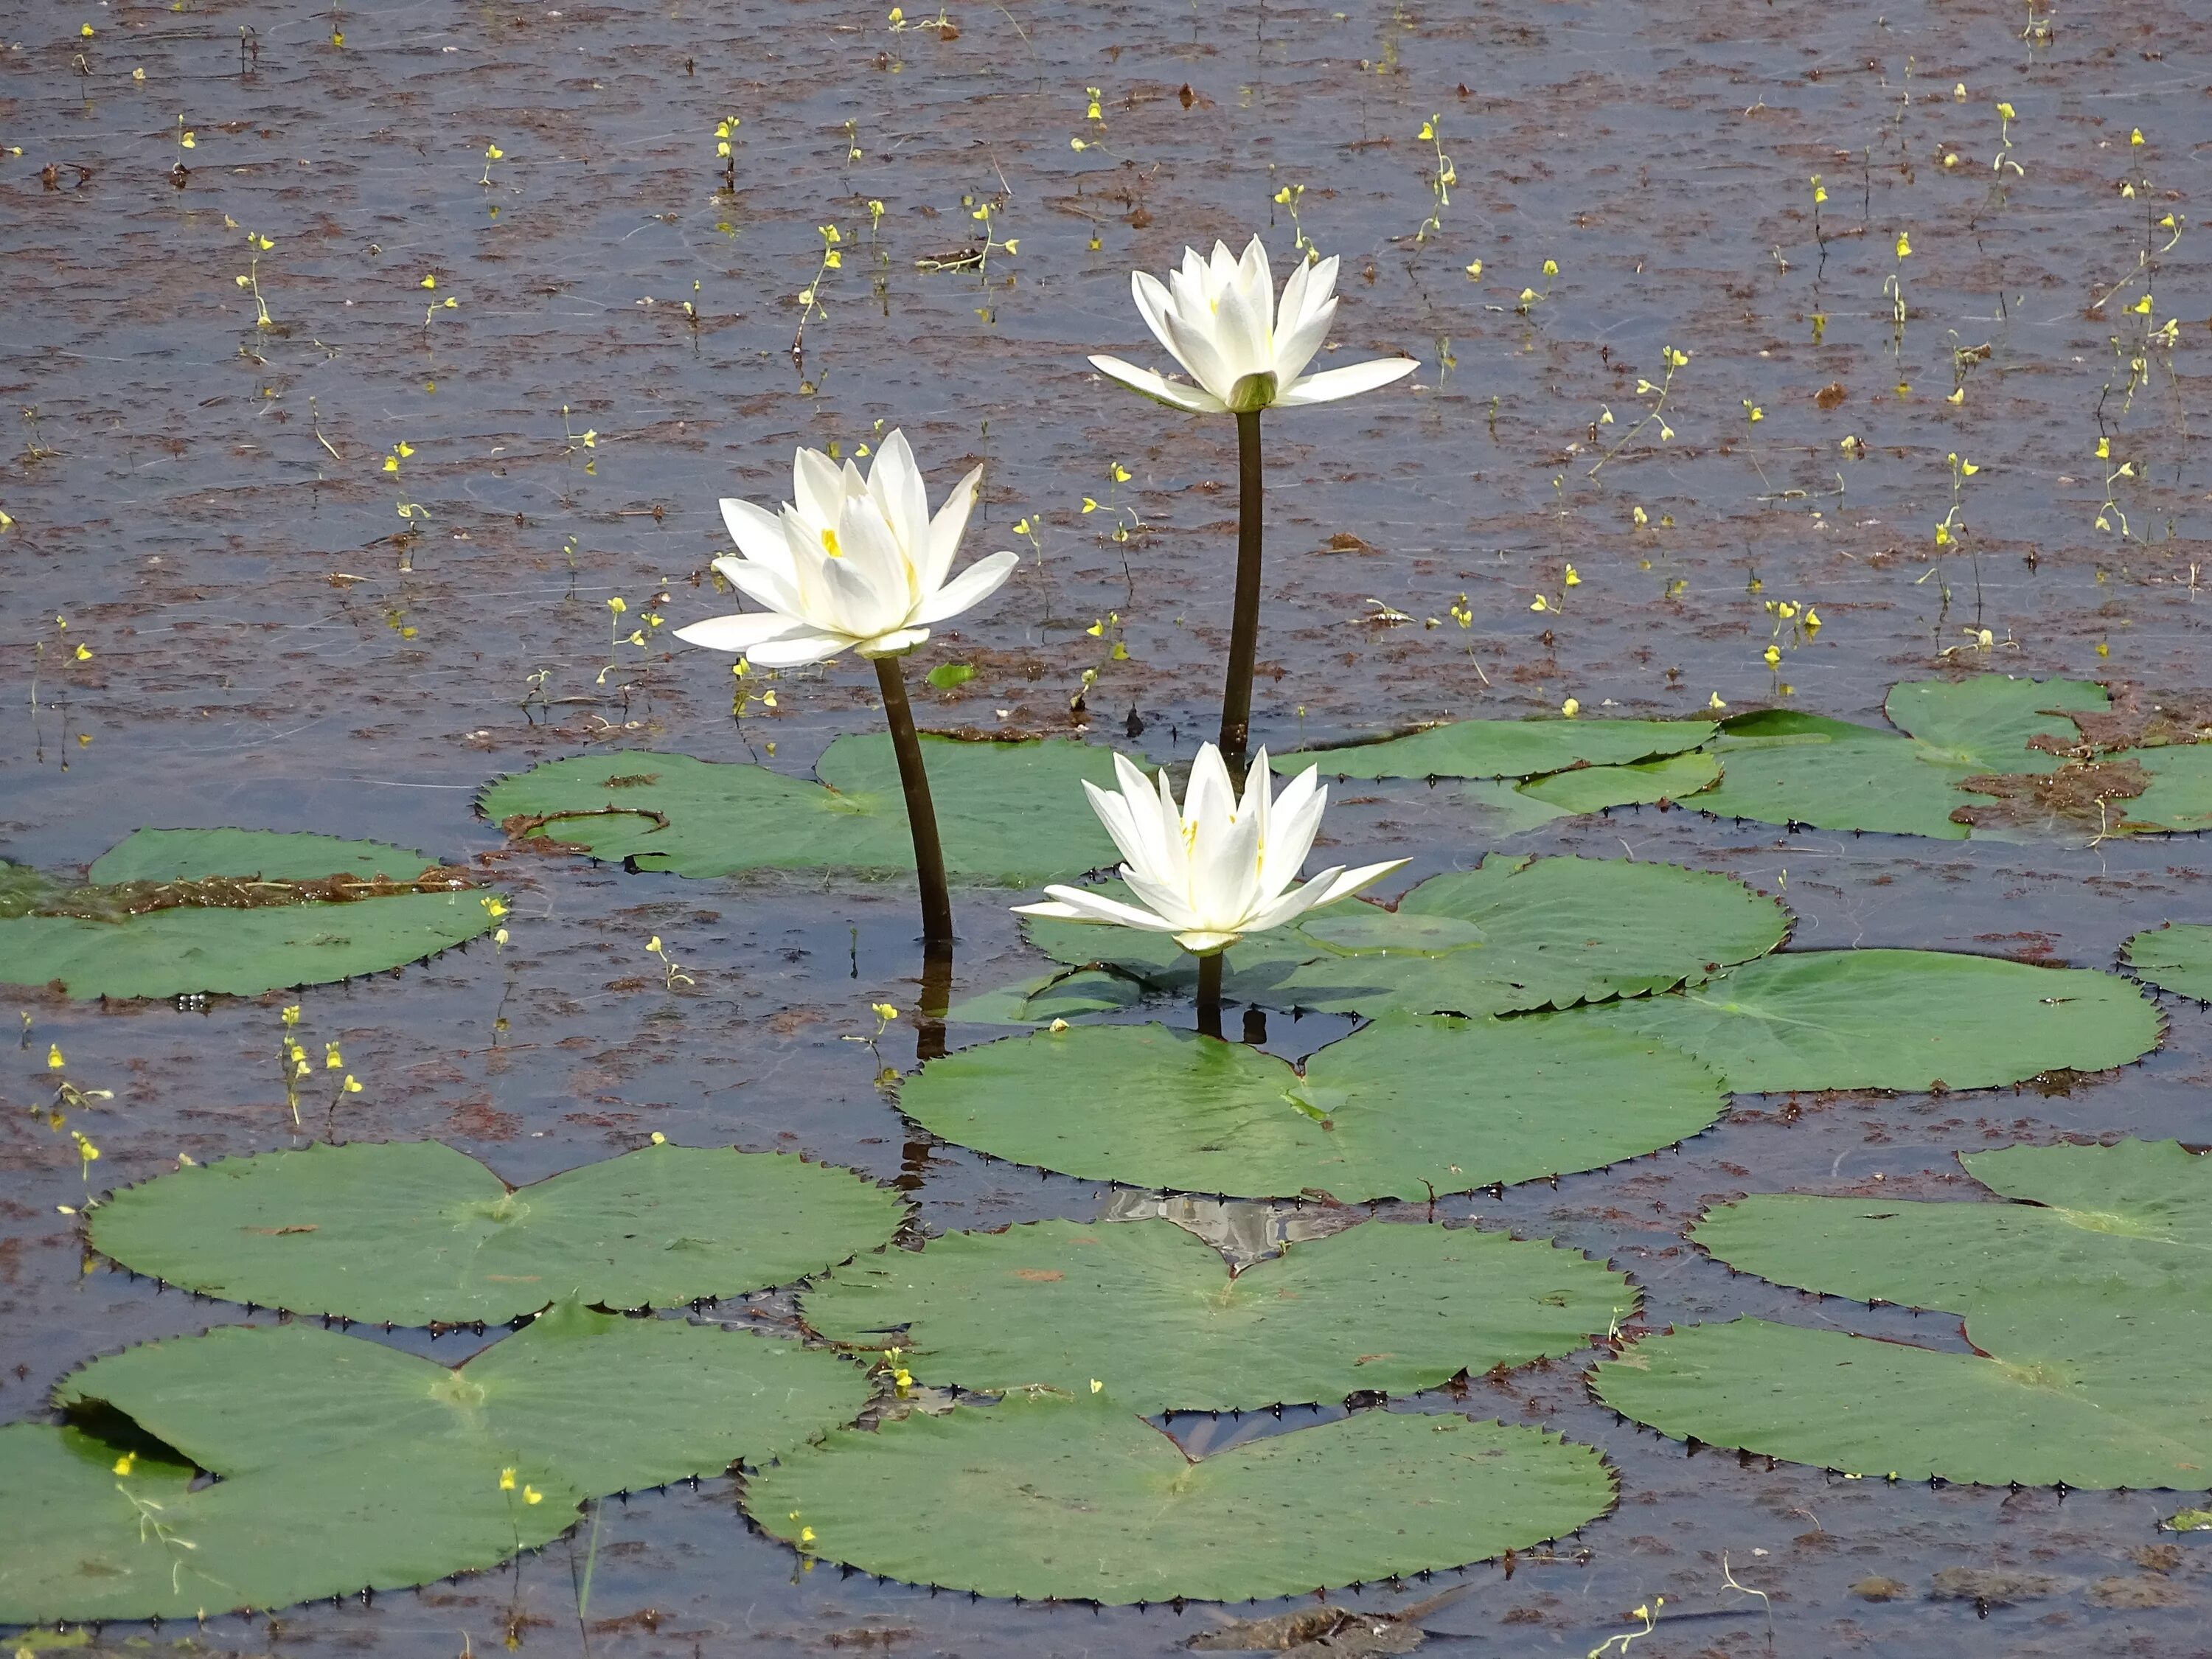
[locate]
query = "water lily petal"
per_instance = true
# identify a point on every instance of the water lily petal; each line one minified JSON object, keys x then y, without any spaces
{"x":817,"y":487}
{"x":946,"y":529}
{"x":769,"y":589}
{"x":1155,"y":303}
{"x":895,"y":483}
{"x":1204,"y":943}
{"x":968,"y":589}
{"x":799,"y":649}
{"x":757,"y":532}
{"x":1296,"y":346}
{"x":739,"y":631}
{"x":1079,"y":904}
{"x":897,"y":643}
{"x":1195,"y":400}
{"x":1347,"y":382}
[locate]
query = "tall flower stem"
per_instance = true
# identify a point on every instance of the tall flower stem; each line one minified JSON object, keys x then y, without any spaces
{"x":921,"y":815}
{"x":1209,"y":995}
{"x":1245,"y":630}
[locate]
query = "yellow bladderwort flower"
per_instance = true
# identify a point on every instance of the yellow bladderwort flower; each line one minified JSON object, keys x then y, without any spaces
{"x":532,"y":1495}
{"x":1571,"y":708}
{"x":857,"y":562}
{"x":1904,"y":245}
{"x":54,"y":1061}
{"x":884,"y":1012}
{"x":1219,"y":319}
{"x":291,"y":1015}
{"x":1772,"y":655}
{"x":806,"y":1535}
{"x":332,"y":1060}
{"x":507,"y":1479}
{"x":1539,"y":603}
{"x":126,"y":1463}
{"x":1215,"y":868}
{"x":1715,"y":703}
{"x":1572,"y":579}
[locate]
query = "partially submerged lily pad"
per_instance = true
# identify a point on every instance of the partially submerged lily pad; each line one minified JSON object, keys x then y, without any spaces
{"x":1595,"y":789}
{"x":93,"y":1536}
{"x":1896,"y":1019}
{"x":236,"y":912}
{"x":1011,"y":813}
{"x":2176,"y":957}
{"x":413,"y":1233}
{"x":1512,"y":935}
{"x":1782,"y":767}
{"x":1502,"y":748}
{"x":607,"y":1403}
{"x":1082,"y":1500}
{"x":1403,"y":1109}
{"x":1149,"y":1309}
{"x":2081,"y":1297}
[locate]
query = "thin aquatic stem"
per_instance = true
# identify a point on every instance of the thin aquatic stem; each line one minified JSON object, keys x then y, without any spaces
{"x":921,"y":815}
{"x":1245,"y":630}
{"x":1209,"y":995}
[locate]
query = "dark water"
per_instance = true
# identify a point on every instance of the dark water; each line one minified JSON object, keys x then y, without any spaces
{"x":204,"y":500}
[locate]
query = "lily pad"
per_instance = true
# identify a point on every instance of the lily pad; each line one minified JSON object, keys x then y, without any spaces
{"x":90,"y":1540}
{"x":2175,"y":958}
{"x":1896,"y":1019}
{"x":2082,"y":1297}
{"x":1595,"y":789}
{"x":193,"y":854}
{"x":1011,"y":814}
{"x":266,"y":918}
{"x":604,"y":1403}
{"x":1512,"y":935}
{"x":2180,"y":794}
{"x":1782,"y":767}
{"x":1402,"y":1109}
{"x":413,"y":1233}
{"x":1081,"y":1499}
{"x":1153,"y":1311}
{"x":1502,"y":748}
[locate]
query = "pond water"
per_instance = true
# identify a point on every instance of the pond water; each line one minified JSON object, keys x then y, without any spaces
{"x":286,"y":633}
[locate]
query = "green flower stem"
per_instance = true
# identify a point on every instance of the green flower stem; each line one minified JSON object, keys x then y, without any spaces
{"x":921,"y":815}
{"x":1209,"y":995}
{"x":1245,"y":631}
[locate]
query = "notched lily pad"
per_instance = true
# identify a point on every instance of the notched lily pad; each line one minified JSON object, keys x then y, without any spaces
{"x":1082,"y":1500}
{"x":413,"y":1233}
{"x":2083,"y":1300}
{"x":237,"y":912}
{"x":1011,"y":813}
{"x":1511,"y":936}
{"x":1403,"y":1109}
{"x":1502,"y":748}
{"x":2176,"y":957}
{"x":1385,"y":1308}
{"x":1896,"y":1019}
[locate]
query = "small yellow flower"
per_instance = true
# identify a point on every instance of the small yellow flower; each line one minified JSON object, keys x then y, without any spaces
{"x":332,"y":1060}
{"x":1715,"y":703}
{"x":1096,"y":1385}
{"x":291,"y":1015}
{"x":1540,"y":604}
{"x":883,"y":1010}
{"x":430,"y":281}
{"x":1572,"y":579}
{"x":1773,"y":656}
{"x":806,"y":1535}
{"x":1571,"y":708}
{"x":2135,"y":138}
{"x":659,"y":1139}
{"x":532,"y":1495}
{"x":54,"y":1061}
{"x":1551,"y":267}
{"x":123,"y":1464}
{"x":2005,"y":111}
{"x":507,"y":1479}
{"x":352,"y":1084}
{"x":617,"y":604}
{"x":653,"y":945}
{"x":1474,"y":270}
{"x":1904,"y":245}
{"x":493,"y":153}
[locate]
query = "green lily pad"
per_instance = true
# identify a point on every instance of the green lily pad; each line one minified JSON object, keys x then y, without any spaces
{"x":2083,"y":1296}
{"x":1512,"y":935}
{"x":89,"y":1542}
{"x":2175,"y":957}
{"x":2180,"y":794}
{"x":1011,"y":814}
{"x":1402,"y":1109}
{"x":604,"y":1403}
{"x":21,"y":889}
{"x":413,"y":1233}
{"x":1595,"y":789}
{"x":1896,"y":1019}
{"x":1787,"y":767}
{"x":1502,"y":748}
{"x":2099,"y":1416}
{"x":194,"y":854}
{"x":114,"y":940}
{"x":1082,"y":1500}
{"x":1152,"y":1310}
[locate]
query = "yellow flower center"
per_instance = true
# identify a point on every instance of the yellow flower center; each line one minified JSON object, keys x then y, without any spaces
{"x":830,"y":544}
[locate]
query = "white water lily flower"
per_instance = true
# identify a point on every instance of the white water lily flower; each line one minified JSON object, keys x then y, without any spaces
{"x":1219,"y":319}
{"x":856,"y":563}
{"x":1215,"y":869}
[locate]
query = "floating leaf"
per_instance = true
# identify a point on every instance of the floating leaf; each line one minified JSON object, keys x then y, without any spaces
{"x":1787,"y":767}
{"x":1152,"y":1310}
{"x":1595,"y":789}
{"x":1502,"y":748}
{"x":1083,"y":1499}
{"x":2082,"y":1302}
{"x":111,"y":941}
{"x":191,"y":855}
{"x":604,"y":1403}
{"x":413,"y":1233}
{"x":86,"y":1542}
{"x":2175,"y":958}
{"x":2180,"y":794}
{"x":1011,"y":814}
{"x":21,"y":889}
{"x":1511,"y":935}
{"x":1402,"y":1109}
{"x":1896,"y":1019}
